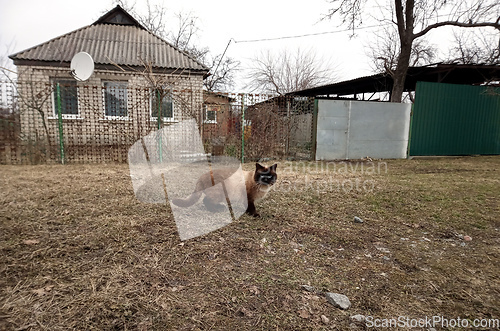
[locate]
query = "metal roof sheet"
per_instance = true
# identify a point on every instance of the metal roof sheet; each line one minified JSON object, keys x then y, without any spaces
{"x":382,"y":82}
{"x":111,"y":43}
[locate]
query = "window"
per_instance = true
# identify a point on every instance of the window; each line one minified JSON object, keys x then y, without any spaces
{"x":166,"y":107}
{"x":68,"y":92}
{"x":115,"y":99}
{"x":211,"y":113}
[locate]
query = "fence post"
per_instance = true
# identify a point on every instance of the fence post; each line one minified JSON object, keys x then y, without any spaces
{"x":160,"y":140}
{"x":59,"y":120}
{"x":243,"y":128}
{"x":288,"y":128}
{"x":408,"y":155}
{"x":314,"y":130}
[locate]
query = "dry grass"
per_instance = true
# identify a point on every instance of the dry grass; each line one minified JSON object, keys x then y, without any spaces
{"x":78,"y":251}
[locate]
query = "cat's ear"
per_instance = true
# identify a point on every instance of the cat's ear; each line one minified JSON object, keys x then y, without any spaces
{"x":274,"y":166}
{"x":258,"y":166}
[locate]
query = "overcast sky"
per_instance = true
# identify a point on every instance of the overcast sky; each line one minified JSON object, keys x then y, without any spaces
{"x":26,"y":23}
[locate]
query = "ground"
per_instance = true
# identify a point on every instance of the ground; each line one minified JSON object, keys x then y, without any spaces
{"x":79,"y":251}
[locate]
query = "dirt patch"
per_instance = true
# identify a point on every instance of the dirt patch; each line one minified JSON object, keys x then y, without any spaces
{"x":78,"y":251}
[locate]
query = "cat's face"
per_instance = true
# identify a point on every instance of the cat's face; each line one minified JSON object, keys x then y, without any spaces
{"x":265,"y":175}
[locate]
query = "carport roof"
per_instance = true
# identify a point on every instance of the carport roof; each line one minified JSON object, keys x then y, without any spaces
{"x":468,"y":74}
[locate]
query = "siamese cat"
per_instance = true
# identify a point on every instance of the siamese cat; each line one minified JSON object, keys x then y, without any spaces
{"x":257,"y":183}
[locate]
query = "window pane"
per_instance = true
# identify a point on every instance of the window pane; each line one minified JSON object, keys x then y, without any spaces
{"x":69,"y":97}
{"x":167,"y":106}
{"x":211,"y":115}
{"x":115,"y":99}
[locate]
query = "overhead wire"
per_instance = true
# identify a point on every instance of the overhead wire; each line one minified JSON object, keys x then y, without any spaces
{"x":286,"y":37}
{"x":303,"y":35}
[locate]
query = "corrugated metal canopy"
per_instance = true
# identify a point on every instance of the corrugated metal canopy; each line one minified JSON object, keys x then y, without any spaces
{"x":438,"y":73}
{"x":116,"y":38}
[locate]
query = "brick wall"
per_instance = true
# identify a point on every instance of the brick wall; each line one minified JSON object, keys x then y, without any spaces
{"x":89,"y":133}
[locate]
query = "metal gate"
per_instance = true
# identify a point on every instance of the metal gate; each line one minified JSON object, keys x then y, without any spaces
{"x":450,"y":119}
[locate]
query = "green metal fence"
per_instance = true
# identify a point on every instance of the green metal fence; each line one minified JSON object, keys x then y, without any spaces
{"x":452,"y":119}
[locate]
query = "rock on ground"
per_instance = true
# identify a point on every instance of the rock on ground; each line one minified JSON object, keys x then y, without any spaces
{"x":338,"y":300}
{"x":357,"y":219}
{"x":358,"y":318}
{"x":309,"y":288}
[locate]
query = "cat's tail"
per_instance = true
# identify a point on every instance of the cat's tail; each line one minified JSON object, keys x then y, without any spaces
{"x":189,"y":201}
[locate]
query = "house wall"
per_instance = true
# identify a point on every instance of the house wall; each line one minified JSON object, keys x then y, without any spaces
{"x":91,"y":129}
{"x":358,"y":129}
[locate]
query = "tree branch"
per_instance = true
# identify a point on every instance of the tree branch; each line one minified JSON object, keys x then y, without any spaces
{"x":459,"y":24}
{"x":400,"y":19}
{"x":410,"y":4}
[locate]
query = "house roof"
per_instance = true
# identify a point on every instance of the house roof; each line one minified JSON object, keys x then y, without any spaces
{"x":442,"y":73}
{"x":116,"y":38}
{"x":216,"y":98}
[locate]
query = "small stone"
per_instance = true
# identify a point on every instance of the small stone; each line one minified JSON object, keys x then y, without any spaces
{"x":338,"y":300}
{"x":304,"y":314}
{"x":325,"y":319}
{"x":309,"y":288}
{"x":358,"y":318}
{"x":357,"y":220}
{"x":467,"y":238}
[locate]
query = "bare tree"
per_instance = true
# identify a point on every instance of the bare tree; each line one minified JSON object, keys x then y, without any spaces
{"x":222,"y":72}
{"x":153,"y":19}
{"x":222,"y":69}
{"x":384,"y":52}
{"x":414,"y":19}
{"x":183,"y":36}
{"x":7,"y":68}
{"x":287,"y":72}
{"x":476,"y":46}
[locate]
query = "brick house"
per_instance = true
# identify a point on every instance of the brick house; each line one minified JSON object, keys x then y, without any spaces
{"x":140,"y":83}
{"x":220,"y":120}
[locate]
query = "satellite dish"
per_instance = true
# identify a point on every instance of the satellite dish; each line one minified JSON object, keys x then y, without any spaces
{"x":82,"y":66}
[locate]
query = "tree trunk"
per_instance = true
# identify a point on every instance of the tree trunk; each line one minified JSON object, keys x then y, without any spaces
{"x":399,"y":75}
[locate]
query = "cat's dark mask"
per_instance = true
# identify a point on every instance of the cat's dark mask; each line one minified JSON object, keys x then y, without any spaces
{"x":265,"y":175}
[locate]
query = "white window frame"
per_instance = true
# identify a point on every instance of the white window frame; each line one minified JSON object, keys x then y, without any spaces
{"x":55,"y":114}
{"x":215,"y":109}
{"x":152,"y":99}
{"x":118,"y":83}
